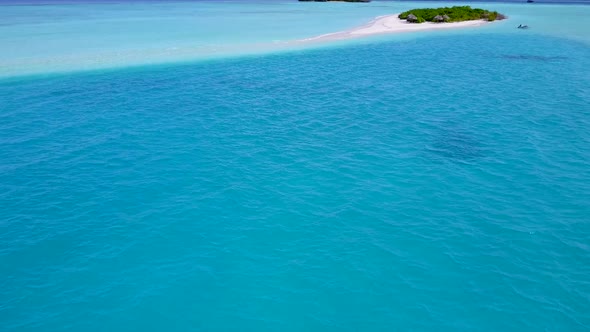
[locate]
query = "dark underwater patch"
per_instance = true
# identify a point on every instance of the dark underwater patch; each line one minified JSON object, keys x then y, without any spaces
{"x":457,"y":145}
{"x":532,"y":57}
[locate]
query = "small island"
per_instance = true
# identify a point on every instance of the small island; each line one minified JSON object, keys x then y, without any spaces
{"x":449,"y":14}
{"x":436,"y":18}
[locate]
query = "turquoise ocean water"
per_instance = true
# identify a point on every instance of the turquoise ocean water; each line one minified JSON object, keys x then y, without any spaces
{"x":430,"y":181}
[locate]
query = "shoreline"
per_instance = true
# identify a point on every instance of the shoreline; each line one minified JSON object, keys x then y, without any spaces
{"x":389,"y":24}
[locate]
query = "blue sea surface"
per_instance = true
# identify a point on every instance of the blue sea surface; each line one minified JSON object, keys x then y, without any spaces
{"x":54,"y":37}
{"x":437,"y":182}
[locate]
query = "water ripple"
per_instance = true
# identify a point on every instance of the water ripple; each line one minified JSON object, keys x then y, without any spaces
{"x":305,"y":191}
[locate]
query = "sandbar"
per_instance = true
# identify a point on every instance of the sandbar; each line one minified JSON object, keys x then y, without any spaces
{"x":389,"y":24}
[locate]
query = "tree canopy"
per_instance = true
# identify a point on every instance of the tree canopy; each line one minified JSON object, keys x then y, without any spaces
{"x":453,"y":14}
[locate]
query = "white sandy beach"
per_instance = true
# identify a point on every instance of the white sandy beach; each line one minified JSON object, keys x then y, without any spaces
{"x":390,"y":24}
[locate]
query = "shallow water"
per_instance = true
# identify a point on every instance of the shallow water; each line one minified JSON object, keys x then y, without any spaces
{"x":56,"y":37}
{"x":437,"y":181}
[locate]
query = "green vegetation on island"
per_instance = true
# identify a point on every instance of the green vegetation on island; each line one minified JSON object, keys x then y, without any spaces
{"x":450,"y":14}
